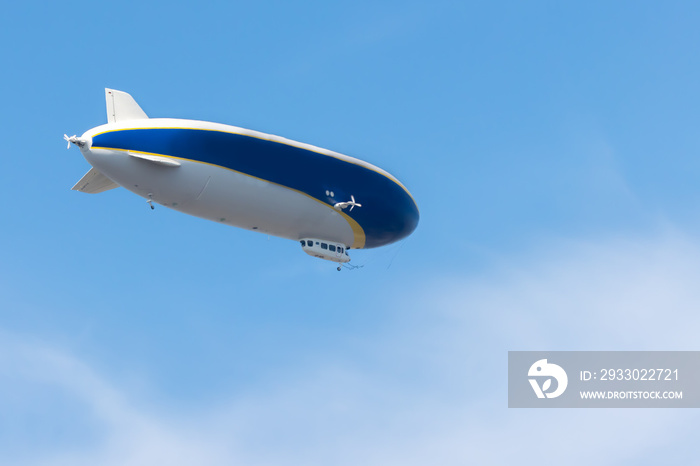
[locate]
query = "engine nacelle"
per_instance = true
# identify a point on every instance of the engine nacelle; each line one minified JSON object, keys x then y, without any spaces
{"x":327,"y":250}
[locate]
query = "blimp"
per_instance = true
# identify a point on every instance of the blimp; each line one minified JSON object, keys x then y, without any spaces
{"x":328,"y":202}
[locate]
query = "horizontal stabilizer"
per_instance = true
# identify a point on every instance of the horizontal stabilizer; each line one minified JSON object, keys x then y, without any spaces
{"x":94,"y":182}
{"x":159,"y":159}
{"x":121,"y":107}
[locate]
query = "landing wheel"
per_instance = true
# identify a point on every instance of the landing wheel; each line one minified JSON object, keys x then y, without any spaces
{"x":338,"y":269}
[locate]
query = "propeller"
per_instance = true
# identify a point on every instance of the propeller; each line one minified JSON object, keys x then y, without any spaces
{"x":80,"y":142}
{"x":351,"y":203}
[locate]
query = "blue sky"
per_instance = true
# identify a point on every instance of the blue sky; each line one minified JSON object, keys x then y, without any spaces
{"x":552,"y":149}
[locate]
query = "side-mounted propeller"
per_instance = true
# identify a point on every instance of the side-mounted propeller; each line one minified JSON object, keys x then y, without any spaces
{"x":351,"y":203}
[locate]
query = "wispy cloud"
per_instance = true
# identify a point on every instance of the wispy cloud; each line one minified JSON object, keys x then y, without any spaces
{"x":433,"y":387}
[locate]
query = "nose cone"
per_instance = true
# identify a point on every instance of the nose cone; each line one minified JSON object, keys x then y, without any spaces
{"x":402,"y":220}
{"x":389,"y":214}
{"x":411,"y":218}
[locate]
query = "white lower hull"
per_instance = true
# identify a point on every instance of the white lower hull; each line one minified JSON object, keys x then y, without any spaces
{"x":226,"y":196}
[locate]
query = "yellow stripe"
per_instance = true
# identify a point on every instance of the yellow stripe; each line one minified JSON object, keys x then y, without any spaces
{"x":358,"y":232}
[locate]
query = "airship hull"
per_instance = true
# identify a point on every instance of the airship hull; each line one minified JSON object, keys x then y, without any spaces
{"x":327,"y":201}
{"x":253,"y":180}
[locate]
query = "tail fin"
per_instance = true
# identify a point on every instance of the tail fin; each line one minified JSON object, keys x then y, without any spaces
{"x":94,"y":182}
{"x":121,"y":106}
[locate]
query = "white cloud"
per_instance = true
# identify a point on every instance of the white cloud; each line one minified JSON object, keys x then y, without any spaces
{"x":622,"y":293}
{"x":433,"y":390}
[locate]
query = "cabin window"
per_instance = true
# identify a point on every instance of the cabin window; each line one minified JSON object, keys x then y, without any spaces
{"x":303,"y":243}
{"x":324,"y":246}
{"x":331,"y":247}
{"x":340,"y":250}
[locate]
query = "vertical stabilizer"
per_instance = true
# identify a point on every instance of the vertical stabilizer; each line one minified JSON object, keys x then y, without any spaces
{"x":121,"y":106}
